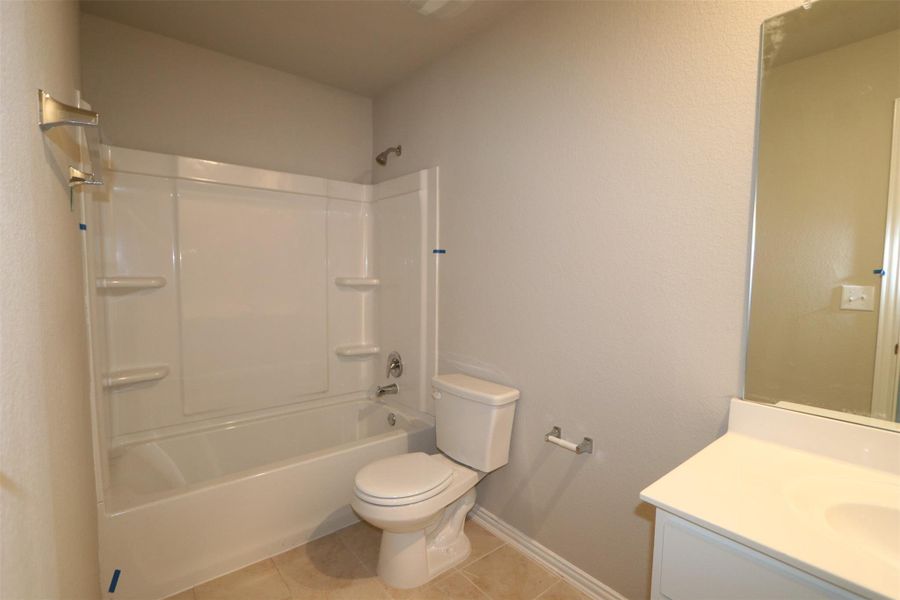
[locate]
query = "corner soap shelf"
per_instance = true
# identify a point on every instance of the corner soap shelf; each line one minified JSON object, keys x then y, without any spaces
{"x":117,"y":379}
{"x":130,"y":283}
{"x":357,"y":350}
{"x":360,"y":283}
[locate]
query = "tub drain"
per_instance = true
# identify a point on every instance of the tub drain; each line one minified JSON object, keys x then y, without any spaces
{"x":392,"y":419}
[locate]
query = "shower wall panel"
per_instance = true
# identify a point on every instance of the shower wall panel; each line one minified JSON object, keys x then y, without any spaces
{"x":249,"y":316}
{"x":263,"y":292}
{"x":406,"y":255}
{"x":253,"y":292}
{"x":134,"y":233}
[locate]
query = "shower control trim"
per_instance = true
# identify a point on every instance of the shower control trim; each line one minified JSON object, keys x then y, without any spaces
{"x":394,"y":365}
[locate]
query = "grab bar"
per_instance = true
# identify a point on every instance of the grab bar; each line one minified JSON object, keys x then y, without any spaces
{"x":118,"y":379}
{"x":130,"y":283}
{"x":554,"y":436}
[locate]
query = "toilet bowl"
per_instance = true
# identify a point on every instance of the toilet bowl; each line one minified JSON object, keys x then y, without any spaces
{"x":419,"y":500}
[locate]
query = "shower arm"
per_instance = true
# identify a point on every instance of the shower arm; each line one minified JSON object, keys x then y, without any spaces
{"x":382,"y":158}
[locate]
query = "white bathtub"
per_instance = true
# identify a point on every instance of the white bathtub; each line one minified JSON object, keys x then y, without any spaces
{"x":184,"y":509}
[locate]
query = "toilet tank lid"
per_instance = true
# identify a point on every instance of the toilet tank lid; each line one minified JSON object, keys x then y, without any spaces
{"x":478,"y":390}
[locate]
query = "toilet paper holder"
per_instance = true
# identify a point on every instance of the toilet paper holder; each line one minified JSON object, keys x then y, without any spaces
{"x":554,"y":436}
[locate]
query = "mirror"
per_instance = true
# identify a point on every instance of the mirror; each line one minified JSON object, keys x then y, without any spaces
{"x":825,"y":286}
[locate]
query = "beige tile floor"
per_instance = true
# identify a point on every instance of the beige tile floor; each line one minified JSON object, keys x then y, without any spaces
{"x":341,"y":566}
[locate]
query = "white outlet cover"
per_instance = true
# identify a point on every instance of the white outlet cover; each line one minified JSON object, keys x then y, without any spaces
{"x":857,"y":297}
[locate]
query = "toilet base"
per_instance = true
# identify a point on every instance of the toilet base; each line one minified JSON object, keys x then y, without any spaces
{"x":408,"y":560}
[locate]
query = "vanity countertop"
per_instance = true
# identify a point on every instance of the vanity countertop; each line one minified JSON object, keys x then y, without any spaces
{"x":818,"y":494}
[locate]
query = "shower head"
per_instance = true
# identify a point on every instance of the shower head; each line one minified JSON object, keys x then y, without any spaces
{"x":381,"y":159}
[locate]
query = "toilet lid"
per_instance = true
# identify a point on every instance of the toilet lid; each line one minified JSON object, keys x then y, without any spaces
{"x":403,"y":479}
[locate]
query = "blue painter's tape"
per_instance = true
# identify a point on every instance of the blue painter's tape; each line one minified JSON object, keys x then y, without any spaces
{"x":881,"y":272}
{"x":114,"y":581}
{"x":82,"y":226}
{"x":439,"y":251}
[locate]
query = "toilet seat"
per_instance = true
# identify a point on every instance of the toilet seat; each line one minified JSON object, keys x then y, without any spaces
{"x":402,"y":480}
{"x":414,"y":513}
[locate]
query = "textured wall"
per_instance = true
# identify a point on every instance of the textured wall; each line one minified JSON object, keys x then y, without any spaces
{"x":158,"y":94}
{"x":596,"y":164}
{"x":825,"y":154}
{"x":48,"y":524}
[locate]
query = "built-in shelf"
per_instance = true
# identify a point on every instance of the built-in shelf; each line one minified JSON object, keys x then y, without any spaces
{"x":357,"y":350}
{"x":130,"y":283}
{"x":358,"y":282}
{"x":117,"y":379}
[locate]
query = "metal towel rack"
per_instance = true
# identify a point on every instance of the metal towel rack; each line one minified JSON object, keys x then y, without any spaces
{"x":554,"y":436}
{"x":79,"y":177}
{"x":53,"y":113}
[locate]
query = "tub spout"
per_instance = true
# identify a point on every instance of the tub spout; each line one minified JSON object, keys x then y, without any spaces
{"x":383,"y":390}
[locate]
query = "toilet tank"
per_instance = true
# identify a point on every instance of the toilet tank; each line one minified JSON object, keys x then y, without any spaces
{"x":473,"y":420}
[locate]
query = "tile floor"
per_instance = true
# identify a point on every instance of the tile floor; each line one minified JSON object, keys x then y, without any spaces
{"x":341,"y":566}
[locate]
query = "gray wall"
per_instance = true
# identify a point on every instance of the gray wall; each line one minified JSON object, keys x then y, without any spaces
{"x":155,"y":93}
{"x":48,"y":507}
{"x":596,"y":162}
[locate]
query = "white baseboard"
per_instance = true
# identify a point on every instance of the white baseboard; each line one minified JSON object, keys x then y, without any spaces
{"x":546,"y":557}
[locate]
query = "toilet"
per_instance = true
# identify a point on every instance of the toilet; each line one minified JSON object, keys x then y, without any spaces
{"x":419,"y":500}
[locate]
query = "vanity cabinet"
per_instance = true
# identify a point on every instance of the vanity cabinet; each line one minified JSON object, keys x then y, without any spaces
{"x":694,"y":563}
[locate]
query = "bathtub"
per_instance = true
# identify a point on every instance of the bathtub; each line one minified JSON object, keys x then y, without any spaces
{"x":184,"y":509}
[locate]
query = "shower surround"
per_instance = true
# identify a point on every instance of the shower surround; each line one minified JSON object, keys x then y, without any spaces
{"x":239,"y":319}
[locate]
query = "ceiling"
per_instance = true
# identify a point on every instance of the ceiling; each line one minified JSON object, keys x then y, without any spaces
{"x":363,"y":46}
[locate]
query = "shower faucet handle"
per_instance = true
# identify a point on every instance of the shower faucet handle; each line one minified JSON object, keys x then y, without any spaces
{"x":394,"y":365}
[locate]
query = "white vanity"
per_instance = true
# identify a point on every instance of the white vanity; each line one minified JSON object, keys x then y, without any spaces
{"x":785,"y":505}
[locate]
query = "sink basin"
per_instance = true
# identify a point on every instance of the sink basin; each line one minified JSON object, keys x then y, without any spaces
{"x":875,"y":526}
{"x":863,"y":513}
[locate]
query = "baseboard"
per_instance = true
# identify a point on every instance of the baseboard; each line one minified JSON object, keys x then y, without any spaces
{"x":546,"y":557}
